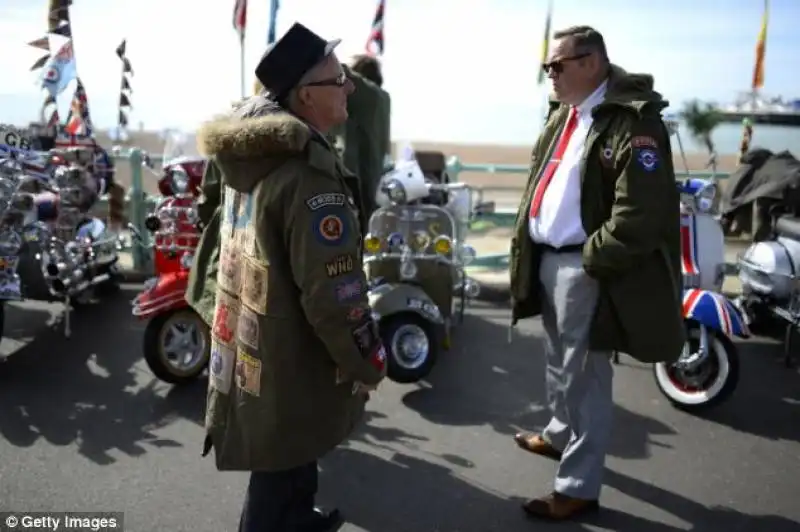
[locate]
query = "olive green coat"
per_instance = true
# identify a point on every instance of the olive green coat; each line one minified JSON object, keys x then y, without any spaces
{"x":291,"y":328}
{"x":365,"y":137}
{"x":630,"y":210}
{"x":202,"y":289}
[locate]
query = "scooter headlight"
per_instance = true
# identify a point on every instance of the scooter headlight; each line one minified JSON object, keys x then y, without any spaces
{"x":704,"y":198}
{"x":179,"y":181}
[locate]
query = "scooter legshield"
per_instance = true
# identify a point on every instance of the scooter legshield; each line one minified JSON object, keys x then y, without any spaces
{"x":714,"y":311}
{"x":166,"y":293}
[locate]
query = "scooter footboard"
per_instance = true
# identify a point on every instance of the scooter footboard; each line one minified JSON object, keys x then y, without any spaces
{"x":715,"y":311}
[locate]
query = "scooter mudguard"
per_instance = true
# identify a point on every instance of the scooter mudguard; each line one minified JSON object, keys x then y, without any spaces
{"x":162,"y":293}
{"x":391,"y":298}
{"x":714,"y":311}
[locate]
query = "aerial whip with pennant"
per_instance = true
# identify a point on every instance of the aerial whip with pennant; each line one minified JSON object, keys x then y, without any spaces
{"x":758,"y":80}
{"x":376,"y":41}
{"x":240,"y":25}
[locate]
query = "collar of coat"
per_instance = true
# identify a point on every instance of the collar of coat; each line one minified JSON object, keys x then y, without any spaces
{"x":256,"y":128}
{"x":633,"y":92}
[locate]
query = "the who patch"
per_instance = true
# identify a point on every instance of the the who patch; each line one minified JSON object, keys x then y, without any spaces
{"x":248,"y":373}
{"x":644,"y":141}
{"x":226,"y":317}
{"x":328,"y":199}
{"x":329,"y":228}
{"x":648,"y":159}
{"x":247,"y":331}
{"x":348,"y":290}
{"x":255,"y":281}
{"x":340,"y":265}
{"x":221,"y":366}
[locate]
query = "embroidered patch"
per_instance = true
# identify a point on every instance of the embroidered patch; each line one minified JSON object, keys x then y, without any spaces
{"x":330,"y":229}
{"x":348,"y":290}
{"x":356,"y":314}
{"x":226,"y":316}
{"x":247,"y":328}
{"x":255,"y":280}
{"x":249,"y":241}
{"x":366,"y":338}
{"x":220,"y":367}
{"x":647,"y":159}
{"x":248,"y":373}
{"x":340,"y":265}
{"x":607,"y":155}
{"x":229,"y":276}
{"x":644,"y":142}
{"x":325,"y":200}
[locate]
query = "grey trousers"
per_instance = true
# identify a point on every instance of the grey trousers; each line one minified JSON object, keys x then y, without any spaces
{"x":579,"y":381}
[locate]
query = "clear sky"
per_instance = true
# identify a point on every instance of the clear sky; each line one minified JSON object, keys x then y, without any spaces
{"x":458,"y":70}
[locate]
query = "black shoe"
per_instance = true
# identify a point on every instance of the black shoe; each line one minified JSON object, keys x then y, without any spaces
{"x":323,"y":521}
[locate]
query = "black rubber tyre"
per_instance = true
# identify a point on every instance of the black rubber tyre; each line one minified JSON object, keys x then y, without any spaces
{"x":157,"y":360}
{"x":397,"y":370}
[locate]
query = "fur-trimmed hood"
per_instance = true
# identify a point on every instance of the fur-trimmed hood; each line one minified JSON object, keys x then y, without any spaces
{"x":251,"y":140}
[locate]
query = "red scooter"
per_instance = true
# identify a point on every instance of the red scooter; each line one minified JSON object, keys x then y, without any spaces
{"x":176,"y":341}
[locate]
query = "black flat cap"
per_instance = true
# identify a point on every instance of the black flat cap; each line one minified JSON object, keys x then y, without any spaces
{"x":290,"y":57}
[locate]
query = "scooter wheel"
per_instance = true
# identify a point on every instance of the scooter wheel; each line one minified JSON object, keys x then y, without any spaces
{"x":411,"y":347}
{"x":706,"y":386}
{"x":177,"y":346}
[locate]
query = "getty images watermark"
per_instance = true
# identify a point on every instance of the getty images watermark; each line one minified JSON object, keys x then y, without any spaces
{"x":61,"y":521}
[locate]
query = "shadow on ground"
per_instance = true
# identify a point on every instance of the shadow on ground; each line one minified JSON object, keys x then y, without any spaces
{"x":83,"y":390}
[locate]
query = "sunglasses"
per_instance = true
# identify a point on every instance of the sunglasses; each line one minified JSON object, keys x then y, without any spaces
{"x":338,"y":81}
{"x":557,"y":67}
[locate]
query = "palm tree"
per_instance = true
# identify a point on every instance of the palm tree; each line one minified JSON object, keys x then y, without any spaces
{"x":701,"y":119}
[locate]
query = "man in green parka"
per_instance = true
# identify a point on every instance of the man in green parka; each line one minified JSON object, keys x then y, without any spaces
{"x":596,"y":253}
{"x":294,"y":349}
{"x":365,"y":137}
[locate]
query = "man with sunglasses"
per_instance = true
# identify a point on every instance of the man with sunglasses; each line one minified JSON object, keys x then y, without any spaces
{"x":294,"y":349}
{"x":596,"y":253}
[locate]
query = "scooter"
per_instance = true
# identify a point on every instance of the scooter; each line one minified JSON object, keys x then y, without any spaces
{"x":176,"y":340}
{"x":770,"y":275}
{"x":707,"y":371}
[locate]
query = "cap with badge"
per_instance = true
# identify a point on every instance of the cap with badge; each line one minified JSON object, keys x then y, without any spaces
{"x":290,"y":57}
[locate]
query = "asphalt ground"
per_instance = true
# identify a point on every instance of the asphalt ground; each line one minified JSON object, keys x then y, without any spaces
{"x":85,"y":427}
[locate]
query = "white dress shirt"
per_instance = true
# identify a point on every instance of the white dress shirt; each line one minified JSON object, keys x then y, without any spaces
{"x":559,"y":222}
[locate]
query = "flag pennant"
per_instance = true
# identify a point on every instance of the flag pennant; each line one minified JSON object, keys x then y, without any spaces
{"x":126,"y":66}
{"x":78,"y":121}
{"x":59,"y":69}
{"x":761,"y":49}
{"x":121,"y":49}
{"x":42,"y":43}
{"x":545,"y":42}
{"x":40,"y":62}
{"x":375,"y":42}
{"x":273,"y":21}
{"x":57,"y":13}
{"x":64,"y":30}
{"x":240,"y":17}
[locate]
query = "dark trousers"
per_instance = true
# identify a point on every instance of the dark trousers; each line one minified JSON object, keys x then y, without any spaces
{"x":281,"y":501}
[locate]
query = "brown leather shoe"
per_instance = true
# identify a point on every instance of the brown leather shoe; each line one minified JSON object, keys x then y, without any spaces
{"x":534,"y":443}
{"x":558,"y":507}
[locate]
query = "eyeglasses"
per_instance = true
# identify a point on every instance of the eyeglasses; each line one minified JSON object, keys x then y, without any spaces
{"x":338,"y":81}
{"x":557,"y":67}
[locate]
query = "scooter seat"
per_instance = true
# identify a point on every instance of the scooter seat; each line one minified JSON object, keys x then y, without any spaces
{"x":788,"y":226}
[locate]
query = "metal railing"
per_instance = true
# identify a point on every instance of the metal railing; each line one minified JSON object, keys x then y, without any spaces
{"x":138,"y":203}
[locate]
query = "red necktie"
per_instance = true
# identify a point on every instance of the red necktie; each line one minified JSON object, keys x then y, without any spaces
{"x":552,"y":164}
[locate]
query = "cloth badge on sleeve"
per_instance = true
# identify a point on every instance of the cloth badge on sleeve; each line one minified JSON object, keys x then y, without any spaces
{"x":648,"y":159}
{"x":348,"y":290}
{"x":248,"y":373}
{"x":366,"y":338}
{"x":330,"y":228}
{"x":644,"y":142}
{"x":255,"y":285}
{"x":340,"y":265}
{"x":229,"y":275}
{"x":607,"y":155}
{"x":221,"y":367}
{"x":329,"y":199}
{"x":247,"y":331}
{"x":226,"y":316}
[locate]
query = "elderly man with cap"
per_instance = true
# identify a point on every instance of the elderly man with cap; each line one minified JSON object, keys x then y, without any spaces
{"x":294,"y":349}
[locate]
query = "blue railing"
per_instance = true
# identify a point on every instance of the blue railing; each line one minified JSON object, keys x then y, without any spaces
{"x":138,"y":204}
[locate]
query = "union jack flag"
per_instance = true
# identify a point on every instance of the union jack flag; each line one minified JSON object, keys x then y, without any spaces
{"x":714,"y":310}
{"x":348,"y":290}
{"x":375,"y":43}
{"x":78,"y":121}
